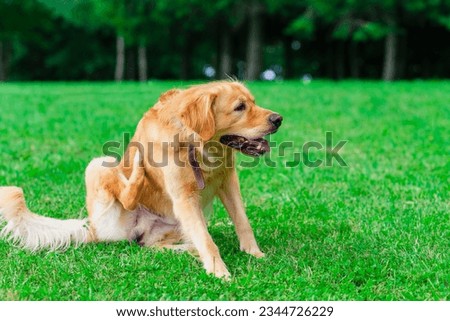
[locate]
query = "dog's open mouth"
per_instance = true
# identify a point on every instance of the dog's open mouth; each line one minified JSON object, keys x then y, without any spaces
{"x":253,"y":147}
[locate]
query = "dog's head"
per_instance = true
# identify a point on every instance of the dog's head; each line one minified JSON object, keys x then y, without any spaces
{"x":227,"y":112}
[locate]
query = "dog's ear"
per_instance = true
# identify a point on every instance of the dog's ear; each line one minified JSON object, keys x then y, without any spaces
{"x":198,"y":115}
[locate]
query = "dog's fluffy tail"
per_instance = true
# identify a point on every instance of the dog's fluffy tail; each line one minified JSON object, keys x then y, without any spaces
{"x":33,"y":231}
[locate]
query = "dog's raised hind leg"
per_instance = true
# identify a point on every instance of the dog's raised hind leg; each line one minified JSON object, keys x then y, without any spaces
{"x":133,"y":186}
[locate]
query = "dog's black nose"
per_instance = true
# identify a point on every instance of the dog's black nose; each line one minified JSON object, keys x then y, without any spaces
{"x":275,"y":119}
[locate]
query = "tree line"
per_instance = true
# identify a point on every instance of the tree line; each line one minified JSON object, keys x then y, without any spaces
{"x":185,"y":39}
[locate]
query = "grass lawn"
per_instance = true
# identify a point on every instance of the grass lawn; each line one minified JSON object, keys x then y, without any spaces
{"x":378,"y":229}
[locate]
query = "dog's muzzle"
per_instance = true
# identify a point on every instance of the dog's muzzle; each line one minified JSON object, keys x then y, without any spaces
{"x":251,"y":147}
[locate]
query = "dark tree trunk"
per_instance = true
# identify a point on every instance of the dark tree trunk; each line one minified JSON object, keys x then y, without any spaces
{"x":426,"y":67}
{"x":120,"y":58}
{"x":2,"y":65}
{"x":255,"y":40}
{"x":130,"y":58}
{"x":185,"y":71}
{"x":287,"y":41}
{"x":5,"y":58}
{"x":329,"y":61}
{"x":340,"y":60}
{"x":354,"y":60}
{"x":142,"y":62}
{"x":218,"y":54}
{"x":390,"y":53}
{"x":226,"y":58}
{"x":402,"y":57}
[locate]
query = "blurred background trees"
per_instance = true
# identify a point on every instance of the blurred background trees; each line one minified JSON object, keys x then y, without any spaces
{"x":253,"y":39}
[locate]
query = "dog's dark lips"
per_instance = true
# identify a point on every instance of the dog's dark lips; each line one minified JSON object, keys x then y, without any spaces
{"x":252,"y":147}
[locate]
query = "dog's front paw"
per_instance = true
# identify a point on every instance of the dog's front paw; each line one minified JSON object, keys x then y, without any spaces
{"x":222,"y":274}
{"x":257,"y":254}
{"x":219,"y":270}
{"x":253,"y":250}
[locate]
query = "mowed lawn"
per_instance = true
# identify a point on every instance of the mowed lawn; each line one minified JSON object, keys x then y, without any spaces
{"x":377,"y":229}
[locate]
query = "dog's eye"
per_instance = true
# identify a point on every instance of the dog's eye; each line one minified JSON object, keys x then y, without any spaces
{"x":240,"y":107}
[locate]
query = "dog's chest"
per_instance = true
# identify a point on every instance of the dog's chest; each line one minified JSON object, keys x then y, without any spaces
{"x":213,"y":182}
{"x":215,"y":169}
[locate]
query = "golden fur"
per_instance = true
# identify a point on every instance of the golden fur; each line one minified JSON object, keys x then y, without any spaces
{"x":160,"y":206}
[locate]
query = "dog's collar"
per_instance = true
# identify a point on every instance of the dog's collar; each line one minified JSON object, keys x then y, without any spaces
{"x":196,"y":168}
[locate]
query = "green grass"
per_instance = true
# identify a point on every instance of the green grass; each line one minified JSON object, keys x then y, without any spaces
{"x":375,"y":230}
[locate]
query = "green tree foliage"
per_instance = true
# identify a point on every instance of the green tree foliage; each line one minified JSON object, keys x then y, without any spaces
{"x":89,"y":39}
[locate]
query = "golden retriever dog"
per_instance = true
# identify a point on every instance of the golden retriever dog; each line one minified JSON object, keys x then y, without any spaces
{"x":180,"y":158}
